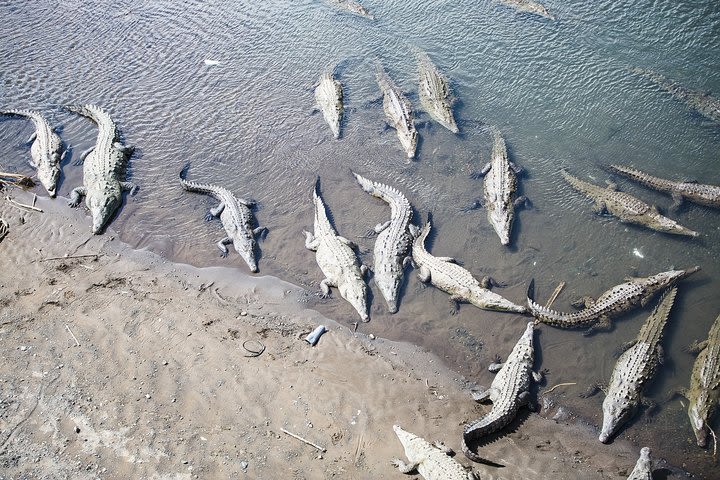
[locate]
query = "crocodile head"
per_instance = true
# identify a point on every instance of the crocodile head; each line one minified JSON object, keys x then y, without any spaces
{"x":49,"y":172}
{"x":246,"y":248}
{"x":355,"y":293}
{"x":698,"y":412}
{"x":388,"y":283}
{"x":501,"y":220}
{"x":663,"y":280}
{"x":616,"y":411}
{"x":102,"y":207}
{"x":408,"y":140}
{"x":663,"y":224}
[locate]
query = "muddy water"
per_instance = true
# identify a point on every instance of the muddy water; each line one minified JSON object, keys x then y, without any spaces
{"x":227,"y":86}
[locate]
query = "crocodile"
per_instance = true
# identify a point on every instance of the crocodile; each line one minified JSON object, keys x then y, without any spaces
{"x":434,"y":90}
{"x":626,"y":207}
{"x":597,"y":314}
{"x":329,"y":98}
{"x":393,"y":241}
{"x":104,"y":166}
{"x":529,"y":6}
{"x":46,"y":151}
{"x":335,"y":257}
{"x":702,"y":102}
{"x":643,"y":466}
{"x":353,"y":7}
{"x":499,"y":189}
{"x":398,"y":111}
{"x":431,"y":460}
{"x":445,"y":274}
{"x":510,"y":390}
{"x":704,"y":392}
{"x":236,"y":218}
{"x":708,"y":195}
{"x":635,"y":369}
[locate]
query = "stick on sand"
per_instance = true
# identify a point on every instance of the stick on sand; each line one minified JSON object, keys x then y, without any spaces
{"x":303,"y":440}
{"x":73,"y":335}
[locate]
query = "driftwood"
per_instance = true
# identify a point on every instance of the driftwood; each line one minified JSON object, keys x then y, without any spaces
{"x":4,"y":229}
{"x":16,"y":180}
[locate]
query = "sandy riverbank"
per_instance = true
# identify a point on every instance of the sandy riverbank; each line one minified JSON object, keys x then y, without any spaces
{"x":126,"y":365}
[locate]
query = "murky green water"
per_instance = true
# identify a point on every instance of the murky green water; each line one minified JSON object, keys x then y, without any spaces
{"x":561,"y":92}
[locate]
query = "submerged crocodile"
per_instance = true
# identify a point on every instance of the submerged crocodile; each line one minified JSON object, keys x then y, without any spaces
{"x":353,"y":7}
{"x":45,"y":151}
{"x":509,"y":391}
{"x":398,"y":111}
{"x":708,"y":195}
{"x":236,"y":218}
{"x":704,"y":392}
{"x":448,"y":276}
{"x":635,"y":368}
{"x":626,"y":207}
{"x":393,"y":241}
{"x":529,"y":6}
{"x":431,"y":461}
{"x":643,"y":466}
{"x":499,"y":189}
{"x":103,"y":169}
{"x":702,"y":102}
{"x":622,"y":298}
{"x":335,"y":257}
{"x":329,"y":98}
{"x":434,"y":90}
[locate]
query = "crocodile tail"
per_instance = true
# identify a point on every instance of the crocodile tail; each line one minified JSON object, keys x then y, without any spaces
{"x":477,"y":458}
{"x":191,"y":186}
{"x":20,"y":113}
{"x":93,"y":112}
{"x":321,"y":218}
{"x":642,"y":177}
{"x":538,"y":311}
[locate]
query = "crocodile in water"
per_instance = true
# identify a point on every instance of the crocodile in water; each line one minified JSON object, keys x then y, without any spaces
{"x":529,"y":6}
{"x":597,"y":314}
{"x":703,"y":194}
{"x":432,"y":461}
{"x":635,"y":368}
{"x":103,"y":169}
{"x":643,"y":466}
{"x":398,"y":112}
{"x":445,"y":274}
{"x":434,"y":90}
{"x":236,"y":218}
{"x":626,"y":207}
{"x":353,"y":7}
{"x":329,"y":98}
{"x":335,"y":257}
{"x":393,"y":241}
{"x":702,"y":102}
{"x":509,"y":391}
{"x":704,"y":392}
{"x":45,"y":151}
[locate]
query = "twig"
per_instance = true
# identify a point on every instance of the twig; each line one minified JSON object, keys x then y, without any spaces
{"x":34,"y":199}
{"x":22,"y":205}
{"x":254,"y":353}
{"x":554,"y":295}
{"x":219,"y":297}
{"x":73,"y":335}
{"x":70,"y":256}
{"x":558,"y":385}
{"x":204,"y":287}
{"x":714,"y":442}
{"x":322,"y":449}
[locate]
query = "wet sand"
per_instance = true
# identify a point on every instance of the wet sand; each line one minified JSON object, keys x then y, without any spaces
{"x":125,"y":365}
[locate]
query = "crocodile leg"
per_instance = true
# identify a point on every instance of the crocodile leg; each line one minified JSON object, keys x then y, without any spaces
{"x":84,"y":155}
{"x":32,"y":138}
{"x":347,"y":242}
{"x":482,"y":172}
{"x":311,"y":243}
{"x":600,"y":208}
{"x":126,"y":149}
{"x":405,"y":467}
{"x":262,"y":231}
{"x":247,"y":203}
{"x":215,"y":212}
{"x":583,"y":302}
{"x":381,"y":226}
{"x":483,"y":396}
{"x":129,"y":187}
{"x":325,"y":287}
{"x":477,"y":203}
{"x":221,"y":245}
{"x":677,"y":202}
{"x":76,"y":195}
{"x":591,"y":390}
{"x":424,"y":274}
{"x":516,"y":168}
{"x":487,"y":282}
{"x":443,"y":448}
{"x":696,"y":347}
{"x":521,"y":201}
{"x":447,"y":259}
{"x":603,"y":324}
{"x":364,"y":269}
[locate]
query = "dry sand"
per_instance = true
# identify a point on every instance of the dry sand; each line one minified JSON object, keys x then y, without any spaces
{"x":126,"y":365}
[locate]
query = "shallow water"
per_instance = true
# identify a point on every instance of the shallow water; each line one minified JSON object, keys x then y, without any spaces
{"x":561,"y":92}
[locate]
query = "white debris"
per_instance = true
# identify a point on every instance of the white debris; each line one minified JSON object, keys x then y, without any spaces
{"x":211,"y":62}
{"x":638,"y":253}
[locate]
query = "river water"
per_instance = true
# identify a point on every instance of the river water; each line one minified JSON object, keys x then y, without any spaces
{"x":227,"y":86}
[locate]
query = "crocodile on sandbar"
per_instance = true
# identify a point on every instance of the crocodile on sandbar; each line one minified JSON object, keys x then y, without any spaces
{"x":103,"y":168}
{"x":445,"y":274}
{"x":597,"y":314}
{"x":353,"y":7}
{"x":337,"y":260}
{"x":510,"y":390}
{"x":431,"y":460}
{"x":393,"y":241}
{"x":626,"y":207}
{"x":529,"y":6}
{"x":45,"y":151}
{"x":329,"y":99}
{"x":398,"y":111}
{"x":499,"y":187}
{"x":236,"y":218}
{"x":704,"y":392}
{"x":434,"y":92}
{"x":635,"y":369}
{"x":708,"y":195}
{"x":702,"y":102}
{"x":643,"y":466}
